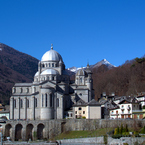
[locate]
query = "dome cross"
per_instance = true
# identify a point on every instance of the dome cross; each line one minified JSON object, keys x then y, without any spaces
{"x":52,"y":46}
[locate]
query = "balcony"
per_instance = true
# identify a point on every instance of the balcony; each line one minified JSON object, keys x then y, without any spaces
{"x":139,"y":111}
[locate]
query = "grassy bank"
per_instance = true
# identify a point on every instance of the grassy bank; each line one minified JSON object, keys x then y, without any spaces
{"x":83,"y":134}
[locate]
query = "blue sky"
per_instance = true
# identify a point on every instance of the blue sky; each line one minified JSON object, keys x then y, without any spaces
{"x":81,"y":30}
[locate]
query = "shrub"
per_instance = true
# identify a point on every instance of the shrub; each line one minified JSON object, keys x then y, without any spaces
{"x":116,"y":131}
{"x":105,"y":139}
{"x":143,"y":130}
{"x":136,"y":134}
{"x":117,"y":136}
{"x":121,"y":129}
{"x":126,"y":128}
{"x":126,"y":134}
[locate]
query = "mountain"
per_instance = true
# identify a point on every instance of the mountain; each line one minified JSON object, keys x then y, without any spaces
{"x":103,"y":62}
{"x":98,"y":64}
{"x":15,"y":67}
{"x":125,"y":80}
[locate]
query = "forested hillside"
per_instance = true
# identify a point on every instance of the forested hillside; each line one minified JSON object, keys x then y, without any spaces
{"x":15,"y":67}
{"x":127,"y":79}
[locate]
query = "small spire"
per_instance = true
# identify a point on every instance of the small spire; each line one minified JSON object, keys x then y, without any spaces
{"x":51,"y":46}
{"x":88,"y":65}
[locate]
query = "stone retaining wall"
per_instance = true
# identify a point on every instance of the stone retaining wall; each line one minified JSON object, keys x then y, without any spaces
{"x":55,"y":127}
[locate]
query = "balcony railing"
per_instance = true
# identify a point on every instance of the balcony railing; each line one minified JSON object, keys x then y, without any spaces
{"x":138,"y":111}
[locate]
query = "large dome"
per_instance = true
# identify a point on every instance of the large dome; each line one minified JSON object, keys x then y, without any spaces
{"x":51,"y":55}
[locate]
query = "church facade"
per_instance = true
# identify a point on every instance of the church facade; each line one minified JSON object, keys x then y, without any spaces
{"x":52,"y":93}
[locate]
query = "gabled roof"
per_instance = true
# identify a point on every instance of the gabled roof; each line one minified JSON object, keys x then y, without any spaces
{"x":80,"y":102}
{"x":128,"y":100}
{"x":125,"y":100}
{"x":94,"y":103}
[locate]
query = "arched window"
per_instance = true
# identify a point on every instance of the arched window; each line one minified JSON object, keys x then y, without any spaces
{"x":21,"y":103}
{"x":81,"y":80}
{"x":51,"y":100}
{"x":53,"y":78}
{"x":49,"y":64}
{"x":14,"y":90}
{"x":27,"y":90}
{"x":15,"y":103}
{"x":45,"y":100}
{"x":27,"y":103}
{"x":52,"y":64}
{"x":35,"y":102}
{"x":42,"y":100}
{"x":57,"y":102}
{"x":21,"y":90}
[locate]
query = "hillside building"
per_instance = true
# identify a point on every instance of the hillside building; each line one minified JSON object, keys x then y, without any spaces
{"x":125,"y":108}
{"x":51,"y":94}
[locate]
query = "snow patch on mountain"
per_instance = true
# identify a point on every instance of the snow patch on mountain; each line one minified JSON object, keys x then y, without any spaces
{"x":74,"y":69}
{"x":104,"y":61}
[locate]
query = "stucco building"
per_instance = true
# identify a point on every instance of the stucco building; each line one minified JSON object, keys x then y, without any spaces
{"x":52,"y":92}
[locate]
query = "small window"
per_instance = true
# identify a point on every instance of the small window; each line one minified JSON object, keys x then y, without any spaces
{"x":75,"y":112}
{"x":57,"y":102}
{"x":42,"y":100}
{"x":80,"y":108}
{"x":51,"y":103}
{"x":14,"y":90}
{"x":83,"y":112}
{"x":21,"y":103}
{"x":21,"y":90}
{"x":27,"y":103}
{"x":52,"y":64}
{"x":45,"y":100}
{"x":35,"y":102}
{"x":49,"y":64}
{"x":14,"y":103}
{"x":80,"y":80}
{"x":27,"y":90}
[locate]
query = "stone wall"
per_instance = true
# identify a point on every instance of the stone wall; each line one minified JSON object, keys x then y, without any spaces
{"x":37,"y":129}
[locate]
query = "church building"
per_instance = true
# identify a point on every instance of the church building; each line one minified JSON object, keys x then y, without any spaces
{"x":52,"y":92}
